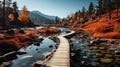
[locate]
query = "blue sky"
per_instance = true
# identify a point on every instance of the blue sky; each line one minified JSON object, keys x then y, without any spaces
{"x":61,"y":8}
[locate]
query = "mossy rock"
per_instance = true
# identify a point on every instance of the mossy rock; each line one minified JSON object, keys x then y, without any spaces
{"x":117,"y":60}
{"x":93,"y":48}
{"x":117,"y":55}
{"x":110,"y":52}
{"x":106,"y":60}
{"x":90,"y":51}
{"x":99,"y":55}
{"x":102,"y":48}
{"x":101,"y":51}
{"x":98,"y":51}
{"x":109,"y":56}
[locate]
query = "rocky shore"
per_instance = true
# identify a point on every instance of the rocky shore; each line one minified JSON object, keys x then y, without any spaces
{"x":94,"y":52}
{"x":14,"y":39}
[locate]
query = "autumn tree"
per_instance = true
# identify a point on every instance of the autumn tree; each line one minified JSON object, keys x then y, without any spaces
{"x":13,"y":15}
{"x":91,"y":8}
{"x":23,"y":17}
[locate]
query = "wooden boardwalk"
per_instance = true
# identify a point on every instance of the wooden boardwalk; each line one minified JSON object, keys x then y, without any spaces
{"x":61,"y":57}
{"x":72,"y":32}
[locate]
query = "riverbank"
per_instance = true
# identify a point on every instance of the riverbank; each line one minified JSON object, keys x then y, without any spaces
{"x":89,"y":51}
{"x":14,"y":39}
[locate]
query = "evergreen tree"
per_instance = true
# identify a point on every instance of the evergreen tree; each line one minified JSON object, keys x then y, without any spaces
{"x":100,"y":7}
{"x":107,"y":7}
{"x":57,"y":19}
{"x":15,"y":13}
{"x":0,"y":12}
{"x":79,"y":13}
{"x":116,"y":5}
{"x":15,"y":7}
{"x":83,"y":11}
{"x":91,"y":8}
{"x":8,"y":3}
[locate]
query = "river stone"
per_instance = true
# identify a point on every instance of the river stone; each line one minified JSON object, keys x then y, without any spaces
{"x":10,"y":32}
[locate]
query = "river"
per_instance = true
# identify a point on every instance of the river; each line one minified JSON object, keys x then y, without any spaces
{"x":36,"y":51}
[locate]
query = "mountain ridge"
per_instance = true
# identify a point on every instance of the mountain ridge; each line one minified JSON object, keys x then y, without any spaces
{"x":45,"y":15}
{"x":39,"y":17}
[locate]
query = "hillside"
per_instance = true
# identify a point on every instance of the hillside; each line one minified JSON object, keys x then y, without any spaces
{"x":102,"y":27}
{"x":99,"y":27}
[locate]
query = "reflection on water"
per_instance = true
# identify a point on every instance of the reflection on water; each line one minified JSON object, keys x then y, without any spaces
{"x":34,"y":53}
{"x":63,"y":30}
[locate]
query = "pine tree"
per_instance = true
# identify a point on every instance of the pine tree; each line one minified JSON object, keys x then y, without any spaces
{"x":110,"y":9}
{"x":107,"y":7}
{"x":100,"y":7}
{"x":8,"y":3}
{"x":83,"y":11}
{"x":15,"y":7}
{"x":4,"y":14}
{"x":91,"y":8}
{"x":116,"y":5}
{"x":0,"y":12}
{"x":57,"y":19}
{"x":15,"y":13}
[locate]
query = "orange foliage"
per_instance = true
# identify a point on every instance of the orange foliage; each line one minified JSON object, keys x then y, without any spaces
{"x":101,"y":27}
{"x":11,"y":42}
{"x":49,"y":30}
{"x":113,"y":35}
{"x":11,"y":17}
{"x":23,"y":17}
{"x":18,"y":40}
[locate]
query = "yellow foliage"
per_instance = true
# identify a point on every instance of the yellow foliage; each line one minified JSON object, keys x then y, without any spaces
{"x":73,"y":16}
{"x":11,"y":17}
{"x":23,"y":17}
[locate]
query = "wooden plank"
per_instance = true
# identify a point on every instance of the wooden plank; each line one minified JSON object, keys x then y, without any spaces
{"x":72,"y":32}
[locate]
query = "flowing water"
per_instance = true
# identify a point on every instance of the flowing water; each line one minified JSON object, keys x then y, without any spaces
{"x":36,"y":52}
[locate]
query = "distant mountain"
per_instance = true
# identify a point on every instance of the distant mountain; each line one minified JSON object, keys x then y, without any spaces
{"x":39,"y":17}
{"x":36,"y":18}
{"x":46,"y":16}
